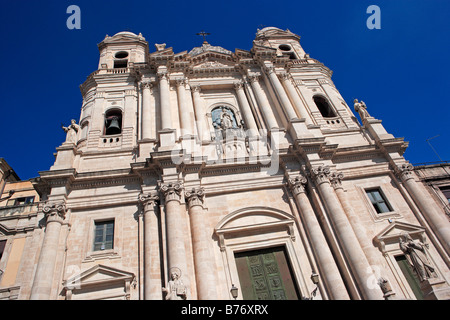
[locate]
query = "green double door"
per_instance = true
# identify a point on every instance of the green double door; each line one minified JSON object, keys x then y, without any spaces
{"x":266,"y":275}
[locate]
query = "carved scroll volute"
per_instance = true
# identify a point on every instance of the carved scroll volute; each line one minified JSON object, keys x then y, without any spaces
{"x":404,"y":171}
{"x":297,"y":184}
{"x":321,"y":174}
{"x":195,"y":197}
{"x":149,"y":200}
{"x":171,"y":191}
{"x":54,"y":211}
{"x":336,"y":179}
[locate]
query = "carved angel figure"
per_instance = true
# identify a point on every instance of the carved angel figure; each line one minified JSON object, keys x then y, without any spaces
{"x":415,"y":254}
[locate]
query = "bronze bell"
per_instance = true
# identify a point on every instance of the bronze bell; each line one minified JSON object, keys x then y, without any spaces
{"x":113,"y":127}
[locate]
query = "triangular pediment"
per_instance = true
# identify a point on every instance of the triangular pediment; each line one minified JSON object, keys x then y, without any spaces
{"x":99,"y":274}
{"x":394,"y":231}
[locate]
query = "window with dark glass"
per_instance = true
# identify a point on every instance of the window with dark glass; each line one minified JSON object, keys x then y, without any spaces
{"x":446,"y":192}
{"x":104,"y":235}
{"x":324,"y":107}
{"x":2,"y":247}
{"x":20,"y":201}
{"x":378,"y":201}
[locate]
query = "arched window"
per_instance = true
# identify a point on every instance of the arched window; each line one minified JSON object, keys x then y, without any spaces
{"x":113,"y":122}
{"x":324,"y":107}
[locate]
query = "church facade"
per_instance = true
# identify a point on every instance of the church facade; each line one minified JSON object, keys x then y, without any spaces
{"x":212,"y":174}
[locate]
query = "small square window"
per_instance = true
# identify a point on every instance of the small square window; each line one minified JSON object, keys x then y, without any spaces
{"x":103,"y":235}
{"x":20,"y":201}
{"x":378,"y":201}
{"x":446,"y":192}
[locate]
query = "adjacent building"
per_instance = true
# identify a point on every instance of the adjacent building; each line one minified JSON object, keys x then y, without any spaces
{"x":210,"y":173}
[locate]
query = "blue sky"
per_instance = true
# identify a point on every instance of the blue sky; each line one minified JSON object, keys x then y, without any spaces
{"x":400,"y":71}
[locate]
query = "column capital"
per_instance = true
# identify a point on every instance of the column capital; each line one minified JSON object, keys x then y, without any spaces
{"x":195,"y":88}
{"x":336,"y":179}
{"x":195,"y":197}
{"x":404,"y":171}
{"x":54,"y":210}
{"x":284,"y":76}
{"x":146,"y":85}
{"x":238,"y":85}
{"x":171,"y":190}
{"x":163,"y":75}
{"x":148,"y":200}
{"x":321,"y":174}
{"x":297,"y":184}
{"x":254,"y":78}
{"x":181,"y":82}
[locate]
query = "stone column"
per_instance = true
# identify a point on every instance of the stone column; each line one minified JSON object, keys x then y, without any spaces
{"x":152,"y":270}
{"x":423,"y":200}
{"x":43,"y":278}
{"x":164,"y":94}
{"x":263,"y":103}
{"x":353,"y":252}
{"x":329,"y":271}
{"x":286,"y":79}
{"x":245,"y":107}
{"x":281,"y":93}
{"x":185,"y":117}
{"x":202,"y":127}
{"x":205,"y":271}
{"x":176,"y":251}
{"x":146,"y":110}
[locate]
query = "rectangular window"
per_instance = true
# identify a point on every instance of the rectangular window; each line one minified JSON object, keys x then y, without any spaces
{"x":446,"y":192}
{"x":104,"y":235}
{"x":378,"y":201}
{"x":2,"y":248}
{"x":20,"y":201}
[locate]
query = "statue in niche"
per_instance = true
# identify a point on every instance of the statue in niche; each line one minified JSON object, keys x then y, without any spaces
{"x":361,"y":108}
{"x":414,"y":251}
{"x":71,"y":131}
{"x":176,"y":290}
{"x":223,"y":118}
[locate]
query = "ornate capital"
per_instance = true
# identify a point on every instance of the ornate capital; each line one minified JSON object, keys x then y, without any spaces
{"x":253,"y":78}
{"x":404,"y":172}
{"x":148,"y":200}
{"x":180,"y":82}
{"x":284,"y":76}
{"x":195,"y":88}
{"x":163,"y":75}
{"x":269,"y":69}
{"x":171,"y":190}
{"x":195,"y":197}
{"x":238,"y":85}
{"x":297,"y":184}
{"x":336,"y":179}
{"x":146,"y":85}
{"x":321,"y":174}
{"x":55,"y":211}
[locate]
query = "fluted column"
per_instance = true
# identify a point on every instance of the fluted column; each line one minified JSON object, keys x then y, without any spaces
{"x":43,"y":278}
{"x":185,"y":117}
{"x":245,"y":107}
{"x":329,"y":271}
{"x":164,"y":94}
{"x":176,"y":252}
{"x":281,"y":93}
{"x":152,"y":270}
{"x":146,"y":110}
{"x":421,"y":197}
{"x":202,"y":127}
{"x":353,"y":252}
{"x":301,"y":108}
{"x":263,"y":102}
{"x":205,"y":272}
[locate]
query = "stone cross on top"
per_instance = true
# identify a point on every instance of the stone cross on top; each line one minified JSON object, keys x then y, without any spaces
{"x":203,"y":34}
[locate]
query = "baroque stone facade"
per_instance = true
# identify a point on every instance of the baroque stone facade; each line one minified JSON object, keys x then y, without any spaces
{"x":207,"y":169}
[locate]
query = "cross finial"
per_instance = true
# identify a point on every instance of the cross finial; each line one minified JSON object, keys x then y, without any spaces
{"x":203,"y":34}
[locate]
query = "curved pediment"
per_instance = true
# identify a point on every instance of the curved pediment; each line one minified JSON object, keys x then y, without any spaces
{"x":254,"y":220}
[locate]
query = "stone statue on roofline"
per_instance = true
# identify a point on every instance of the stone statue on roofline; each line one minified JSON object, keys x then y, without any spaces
{"x":71,"y":131}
